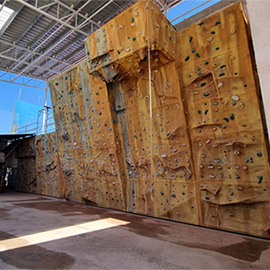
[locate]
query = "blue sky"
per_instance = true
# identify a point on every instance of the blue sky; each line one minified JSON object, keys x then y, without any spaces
{"x":10,"y":92}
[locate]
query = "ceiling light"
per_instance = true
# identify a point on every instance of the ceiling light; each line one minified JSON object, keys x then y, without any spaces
{"x":5,"y":14}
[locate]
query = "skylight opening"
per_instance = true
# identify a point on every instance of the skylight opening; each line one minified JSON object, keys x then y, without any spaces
{"x":5,"y":14}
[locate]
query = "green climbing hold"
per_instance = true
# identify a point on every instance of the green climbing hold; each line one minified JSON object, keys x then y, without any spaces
{"x":260,"y":179}
{"x":114,"y":121}
{"x":199,"y":73}
{"x":222,"y":66}
{"x":206,"y":62}
{"x":133,"y":38}
{"x":132,"y":19}
{"x":223,"y":127}
{"x":218,"y":22}
{"x":203,"y":84}
{"x":213,"y":32}
{"x":206,"y":111}
{"x":206,"y":94}
{"x":199,"y":111}
{"x":198,"y":55}
{"x":237,"y":176}
{"x":194,"y":50}
{"x":259,"y":154}
{"x":190,"y":39}
{"x":118,"y":52}
{"x":187,"y":58}
{"x":201,"y":23}
{"x":198,"y":68}
{"x":232,"y":116}
{"x":174,"y":196}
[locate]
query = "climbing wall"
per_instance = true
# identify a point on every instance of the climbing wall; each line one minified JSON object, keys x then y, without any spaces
{"x":225,"y":123}
{"x":38,"y":169}
{"x":188,"y":146}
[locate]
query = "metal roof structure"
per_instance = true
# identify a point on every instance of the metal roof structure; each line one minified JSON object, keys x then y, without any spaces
{"x":42,"y":38}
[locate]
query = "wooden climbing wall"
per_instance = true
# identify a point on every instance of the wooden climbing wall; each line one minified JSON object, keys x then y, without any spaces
{"x":225,"y":124}
{"x":38,"y":166}
{"x":204,"y":161}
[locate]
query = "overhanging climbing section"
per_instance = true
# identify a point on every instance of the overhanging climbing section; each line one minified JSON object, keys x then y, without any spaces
{"x":160,"y":123}
{"x":225,"y":123}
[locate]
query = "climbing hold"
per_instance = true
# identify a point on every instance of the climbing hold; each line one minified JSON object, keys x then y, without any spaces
{"x":174,"y":196}
{"x":206,"y":62}
{"x":237,"y":176}
{"x":134,"y":39}
{"x":206,"y":94}
{"x":232,"y":116}
{"x":215,"y":103}
{"x":194,"y":50}
{"x":198,"y":68}
{"x":224,"y":127}
{"x":168,"y":133}
{"x":199,"y":73}
{"x":187,"y":58}
{"x":234,"y":103}
{"x":226,"y":119}
{"x":201,"y":23}
{"x":190,"y":39}
{"x":114,"y":121}
{"x":217,"y":23}
{"x":260,"y":179}
{"x":206,"y":111}
{"x":259,"y":154}
{"x":199,"y":111}
{"x":249,"y":159}
{"x":236,"y":98}
{"x":222,"y":66}
{"x":207,"y":198}
{"x":245,"y":168}
{"x":170,"y":38}
{"x":132,"y":19}
{"x":198,"y":55}
{"x":118,"y":52}
{"x":217,"y":48}
{"x":221,"y":74}
{"x":213,"y":32}
{"x":203,"y":84}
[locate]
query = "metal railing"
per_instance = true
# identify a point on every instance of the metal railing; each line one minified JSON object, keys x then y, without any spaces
{"x":43,"y":125}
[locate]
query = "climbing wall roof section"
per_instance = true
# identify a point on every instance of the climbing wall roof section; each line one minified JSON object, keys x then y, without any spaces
{"x":120,"y":45}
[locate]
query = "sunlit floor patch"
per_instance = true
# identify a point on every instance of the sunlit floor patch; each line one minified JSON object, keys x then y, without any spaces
{"x":46,"y":236}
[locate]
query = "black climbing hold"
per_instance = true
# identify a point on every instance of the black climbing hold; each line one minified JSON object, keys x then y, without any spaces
{"x":206,"y":111}
{"x":198,"y":55}
{"x":259,"y":154}
{"x":207,"y":198}
{"x":56,"y":83}
{"x":213,"y":32}
{"x":174,"y":196}
{"x":187,"y":58}
{"x":218,"y":22}
{"x":217,"y":48}
{"x":203,"y":84}
{"x":190,"y":39}
{"x":201,"y":23}
{"x":222,"y":66}
{"x":260,"y":179}
{"x":199,"y":111}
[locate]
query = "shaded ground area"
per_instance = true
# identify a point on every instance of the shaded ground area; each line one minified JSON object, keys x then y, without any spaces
{"x":145,"y":243}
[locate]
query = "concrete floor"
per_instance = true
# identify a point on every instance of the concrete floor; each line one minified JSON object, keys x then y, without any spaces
{"x":145,"y":243}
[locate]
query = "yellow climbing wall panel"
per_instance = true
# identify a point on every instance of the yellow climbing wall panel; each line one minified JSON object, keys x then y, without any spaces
{"x":225,"y":124}
{"x":204,"y":161}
